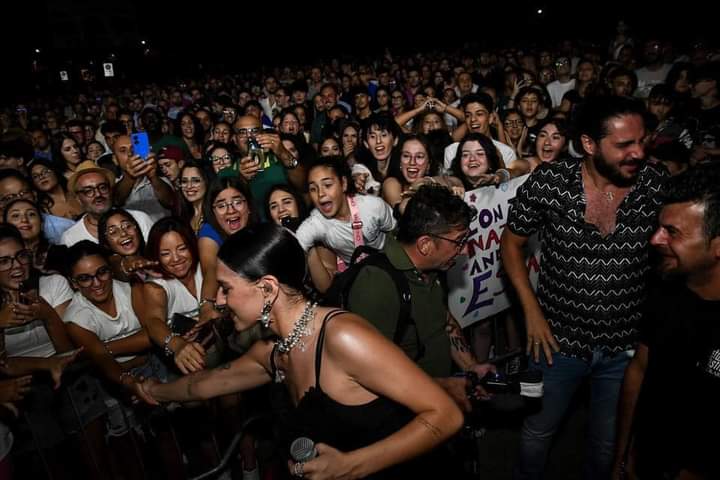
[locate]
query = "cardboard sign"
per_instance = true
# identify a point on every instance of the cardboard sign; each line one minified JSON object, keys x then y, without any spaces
{"x":477,"y":285}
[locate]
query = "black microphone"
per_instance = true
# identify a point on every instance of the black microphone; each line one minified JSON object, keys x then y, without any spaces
{"x":303,"y":449}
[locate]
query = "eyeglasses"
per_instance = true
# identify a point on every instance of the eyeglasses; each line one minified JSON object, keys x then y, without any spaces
{"x":222,"y":208}
{"x":14,"y":196}
{"x":126,"y":227}
{"x":191,"y":181}
{"x":459,"y":243}
{"x":42,"y":173}
{"x":93,"y":191}
{"x":85,"y":279}
{"x":514,"y":123}
{"x":23,"y":257}
{"x":221,"y":159}
{"x":244,"y":132}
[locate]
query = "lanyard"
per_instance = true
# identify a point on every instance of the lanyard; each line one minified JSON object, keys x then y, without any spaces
{"x":356,"y":226}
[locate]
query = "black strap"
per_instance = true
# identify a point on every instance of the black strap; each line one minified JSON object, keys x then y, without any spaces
{"x":378,"y":259}
{"x":273,"y":365}
{"x":321,"y":341}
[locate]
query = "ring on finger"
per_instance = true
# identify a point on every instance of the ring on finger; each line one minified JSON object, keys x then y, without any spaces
{"x":298,"y":469}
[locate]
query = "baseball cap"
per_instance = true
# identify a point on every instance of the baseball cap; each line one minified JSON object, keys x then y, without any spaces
{"x":171,"y":151}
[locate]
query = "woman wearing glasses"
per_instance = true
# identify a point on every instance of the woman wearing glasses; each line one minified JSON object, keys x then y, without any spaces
{"x":120,"y":234}
{"x":53,"y":194}
{"x":100,"y":319}
{"x":220,"y":156}
{"x":31,"y":306}
{"x":515,"y":131}
{"x":227,"y":209}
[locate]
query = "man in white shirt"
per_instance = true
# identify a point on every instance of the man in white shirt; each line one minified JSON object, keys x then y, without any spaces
{"x":140,"y":187}
{"x":93,"y":187}
{"x":564,"y":82}
{"x":654,"y":71}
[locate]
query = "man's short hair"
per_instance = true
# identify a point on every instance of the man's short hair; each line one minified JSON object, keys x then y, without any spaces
{"x":699,"y":185}
{"x":479,"y":97}
{"x":435,"y":210}
{"x":113,"y":126}
{"x":597,"y":111}
{"x":381,"y":121}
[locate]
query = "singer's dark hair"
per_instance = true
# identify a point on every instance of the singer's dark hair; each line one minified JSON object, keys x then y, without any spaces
{"x":265,"y":249}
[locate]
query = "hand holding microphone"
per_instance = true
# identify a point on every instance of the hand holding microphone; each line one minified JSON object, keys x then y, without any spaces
{"x":302,"y":449}
{"x":321,"y":461}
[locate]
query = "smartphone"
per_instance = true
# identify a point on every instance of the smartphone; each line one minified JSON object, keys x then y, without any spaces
{"x":25,"y":293}
{"x":291,"y":223}
{"x":140,"y":144}
{"x":181,"y":324}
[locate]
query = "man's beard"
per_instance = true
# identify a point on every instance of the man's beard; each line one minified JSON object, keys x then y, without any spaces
{"x":613,"y":173}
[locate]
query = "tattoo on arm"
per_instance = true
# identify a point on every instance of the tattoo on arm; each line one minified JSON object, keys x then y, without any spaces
{"x":455,"y":334}
{"x":434,"y":431}
{"x":191,"y":380}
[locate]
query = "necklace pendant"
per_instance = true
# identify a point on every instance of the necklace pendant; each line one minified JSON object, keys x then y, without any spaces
{"x":609,"y":196}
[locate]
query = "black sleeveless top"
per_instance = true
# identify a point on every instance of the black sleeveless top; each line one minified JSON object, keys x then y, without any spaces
{"x":344,"y":427}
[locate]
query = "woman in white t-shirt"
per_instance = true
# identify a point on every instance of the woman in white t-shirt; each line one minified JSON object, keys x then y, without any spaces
{"x":100,"y":317}
{"x":173,"y":245}
{"x":341,"y":220}
{"x":29,"y":303}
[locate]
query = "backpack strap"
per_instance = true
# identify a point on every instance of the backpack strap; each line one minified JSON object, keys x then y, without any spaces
{"x":380,"y":260}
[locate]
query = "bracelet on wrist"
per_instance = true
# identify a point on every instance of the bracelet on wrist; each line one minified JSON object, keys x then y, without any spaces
{"x":122,"y":267}
{"x":504,"y":175}
{"x":206,"y":301}
{"x":166,"y":343}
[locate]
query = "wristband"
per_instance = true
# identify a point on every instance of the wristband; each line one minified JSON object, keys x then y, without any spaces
{"x":122,"y":267}
{"x":166,"y":343}
{"x":205,"y":301}
{"x":504,"y":175}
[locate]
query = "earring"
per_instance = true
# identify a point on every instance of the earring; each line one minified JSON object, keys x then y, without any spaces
{"x":265,"y":314}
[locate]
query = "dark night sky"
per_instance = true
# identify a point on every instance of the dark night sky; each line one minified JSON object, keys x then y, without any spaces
{"x":236,"y":33}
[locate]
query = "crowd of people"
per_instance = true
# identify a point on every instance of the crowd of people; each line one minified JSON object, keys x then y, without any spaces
{"x":178,"y":286}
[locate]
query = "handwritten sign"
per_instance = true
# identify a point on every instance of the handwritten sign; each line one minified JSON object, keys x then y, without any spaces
{"x":477,"y":284}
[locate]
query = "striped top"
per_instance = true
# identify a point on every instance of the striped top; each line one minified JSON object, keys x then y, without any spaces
{"x":591,"y":288}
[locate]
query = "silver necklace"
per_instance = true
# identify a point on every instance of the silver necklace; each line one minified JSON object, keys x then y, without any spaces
{"x":300,"y":329}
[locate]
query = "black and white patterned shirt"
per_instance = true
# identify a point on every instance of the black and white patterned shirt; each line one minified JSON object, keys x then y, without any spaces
{"x":591,"y":287}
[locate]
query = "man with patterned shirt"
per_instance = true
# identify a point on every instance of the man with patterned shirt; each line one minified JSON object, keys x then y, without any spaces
{"x":595,"y":218}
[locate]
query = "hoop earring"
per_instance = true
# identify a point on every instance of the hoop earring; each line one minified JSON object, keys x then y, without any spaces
{"x":265,"y":314}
